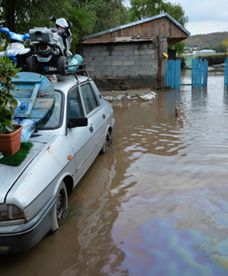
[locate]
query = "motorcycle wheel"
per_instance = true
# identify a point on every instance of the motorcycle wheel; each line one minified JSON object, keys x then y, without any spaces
{"x":62,"y":65}
{"x":33,"y":65}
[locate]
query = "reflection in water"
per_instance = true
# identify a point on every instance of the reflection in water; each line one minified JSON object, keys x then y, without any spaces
{"x":165,"y":204}
{"x":156,"y":204}
{"x":225,"y":100}
{"x":152,"y":131}
{"x":174,"y":216}
{"x":159,"y":249}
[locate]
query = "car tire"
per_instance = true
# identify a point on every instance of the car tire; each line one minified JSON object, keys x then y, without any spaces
{"x":107,"y":143}
{"x":60,"y":208}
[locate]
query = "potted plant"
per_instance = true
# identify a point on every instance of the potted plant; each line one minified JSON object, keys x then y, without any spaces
{"x":10,"y":134}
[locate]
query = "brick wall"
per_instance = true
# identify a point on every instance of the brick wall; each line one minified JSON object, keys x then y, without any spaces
{"x":127,"y":65}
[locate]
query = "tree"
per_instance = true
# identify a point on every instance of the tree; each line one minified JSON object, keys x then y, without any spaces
{"x":87,"y":16}
{"x":21,"y":15}
{"x":225,"y":45}
{"x":145,"y":8}
{"x":179,"y":47}
{"x":176,"y":11}
{"x":8,"y":12}
{"x":112,"y":14}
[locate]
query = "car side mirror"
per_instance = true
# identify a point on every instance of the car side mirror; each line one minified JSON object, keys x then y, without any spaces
{"x":77,"y":122}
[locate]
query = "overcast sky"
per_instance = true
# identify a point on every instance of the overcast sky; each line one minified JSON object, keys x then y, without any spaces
{"x":205,"y":16}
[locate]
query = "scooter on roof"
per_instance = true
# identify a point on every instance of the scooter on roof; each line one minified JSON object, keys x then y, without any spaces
{"x":50,"y":47}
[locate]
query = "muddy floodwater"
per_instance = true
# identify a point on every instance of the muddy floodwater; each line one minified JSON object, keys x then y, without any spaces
{"x":156,"y":203}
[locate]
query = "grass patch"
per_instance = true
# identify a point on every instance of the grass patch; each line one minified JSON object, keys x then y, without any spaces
{"x":17,"y":158}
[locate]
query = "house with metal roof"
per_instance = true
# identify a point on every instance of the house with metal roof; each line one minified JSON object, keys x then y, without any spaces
{"x":132,"y":55}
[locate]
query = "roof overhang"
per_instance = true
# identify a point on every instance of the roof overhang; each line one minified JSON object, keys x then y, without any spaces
{"x":142,"y":21}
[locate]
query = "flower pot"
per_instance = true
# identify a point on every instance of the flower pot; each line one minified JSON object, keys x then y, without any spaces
{"x":10,"y":143}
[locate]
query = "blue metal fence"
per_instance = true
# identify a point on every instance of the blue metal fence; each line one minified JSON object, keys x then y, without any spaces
{"x":199,"y":73}
{"x":226,"y":73}
{"x":173,"y":73}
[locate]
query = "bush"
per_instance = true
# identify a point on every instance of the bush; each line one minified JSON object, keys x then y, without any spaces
{"x":8,"y":103}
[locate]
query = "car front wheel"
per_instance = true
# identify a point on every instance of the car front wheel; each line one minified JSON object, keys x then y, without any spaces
{"x":60,"y":208}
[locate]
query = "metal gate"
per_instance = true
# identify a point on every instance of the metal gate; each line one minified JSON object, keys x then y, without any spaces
{"x":226,"y":73}
{"x":199,"y":73}
{"x":173,"y":73}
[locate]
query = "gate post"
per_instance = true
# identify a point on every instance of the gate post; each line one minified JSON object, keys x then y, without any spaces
{"x":173,"y":73}
{"x":199,"y":73}
{"x":226,"y":73}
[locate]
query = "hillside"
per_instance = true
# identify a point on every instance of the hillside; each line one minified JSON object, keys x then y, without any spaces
{"x":207,"y":41}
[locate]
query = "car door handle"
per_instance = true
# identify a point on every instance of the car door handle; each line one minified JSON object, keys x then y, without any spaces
{"x":91,"y":128}
{"x":103,"y":116}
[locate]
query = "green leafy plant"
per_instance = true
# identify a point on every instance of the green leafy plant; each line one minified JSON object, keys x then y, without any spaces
{"x":8,"y":103}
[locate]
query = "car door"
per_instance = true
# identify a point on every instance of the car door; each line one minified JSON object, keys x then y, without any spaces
{"x":79,"y":138}
{"x":96,"y":117}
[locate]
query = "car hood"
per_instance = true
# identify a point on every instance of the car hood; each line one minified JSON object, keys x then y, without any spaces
{"x":10,"y":174}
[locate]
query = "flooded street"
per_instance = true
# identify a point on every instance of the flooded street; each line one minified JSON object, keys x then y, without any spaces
{"x":156,"y":203}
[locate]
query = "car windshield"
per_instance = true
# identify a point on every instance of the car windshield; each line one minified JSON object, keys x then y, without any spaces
{"x":56,"y":116}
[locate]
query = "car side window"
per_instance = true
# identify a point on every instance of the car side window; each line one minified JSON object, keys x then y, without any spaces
{"x":74,"y":108}
{"x":89,"y":98}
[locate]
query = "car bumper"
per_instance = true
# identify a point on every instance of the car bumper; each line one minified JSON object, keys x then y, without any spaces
{"x":25,"y":238}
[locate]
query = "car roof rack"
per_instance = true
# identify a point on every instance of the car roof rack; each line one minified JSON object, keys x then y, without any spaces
{"x":81,"y":72}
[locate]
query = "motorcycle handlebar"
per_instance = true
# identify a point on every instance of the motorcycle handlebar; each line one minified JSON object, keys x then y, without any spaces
{"x":53,"y":18}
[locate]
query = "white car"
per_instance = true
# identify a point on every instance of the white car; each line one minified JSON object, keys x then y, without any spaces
{"x":34,"y":195}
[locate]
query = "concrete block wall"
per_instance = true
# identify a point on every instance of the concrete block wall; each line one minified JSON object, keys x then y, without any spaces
{"x":134,"y":63}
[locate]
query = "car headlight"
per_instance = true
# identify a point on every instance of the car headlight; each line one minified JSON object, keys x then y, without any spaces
{"x":11,"y":213}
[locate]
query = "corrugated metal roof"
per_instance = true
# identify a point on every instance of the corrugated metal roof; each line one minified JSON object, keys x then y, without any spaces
{"x":139,"y":22}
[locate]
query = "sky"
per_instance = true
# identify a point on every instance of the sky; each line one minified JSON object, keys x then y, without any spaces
{"x":204,"y":16}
